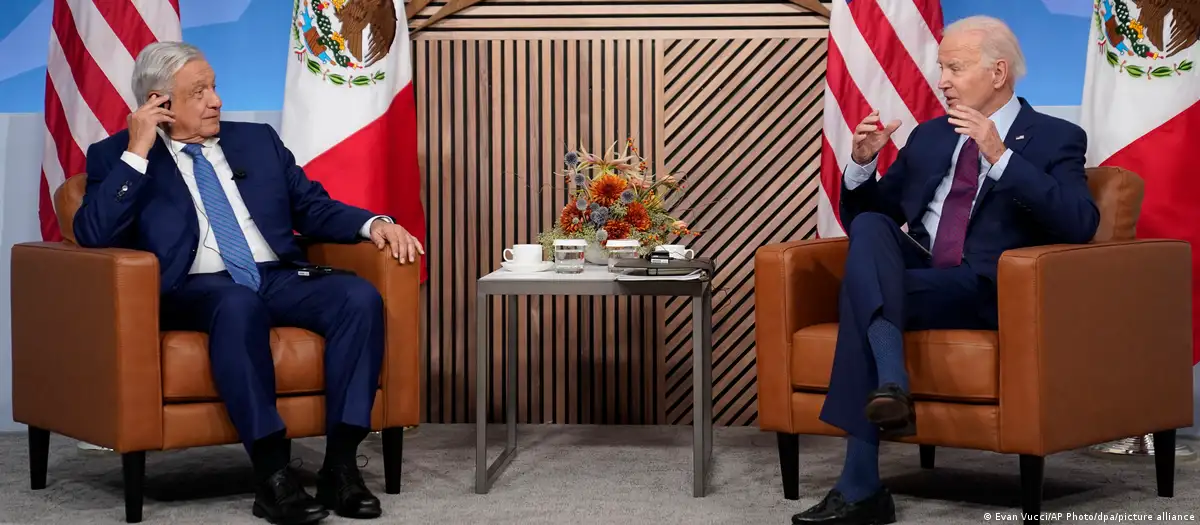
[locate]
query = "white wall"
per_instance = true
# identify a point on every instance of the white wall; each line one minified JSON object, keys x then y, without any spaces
{"x":20,"y":169}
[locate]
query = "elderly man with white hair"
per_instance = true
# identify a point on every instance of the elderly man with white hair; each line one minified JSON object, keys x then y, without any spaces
{"x":990,"y":176}
{"x":218,"y":204}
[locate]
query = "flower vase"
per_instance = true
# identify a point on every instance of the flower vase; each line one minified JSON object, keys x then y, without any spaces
{"x":595,"y":254}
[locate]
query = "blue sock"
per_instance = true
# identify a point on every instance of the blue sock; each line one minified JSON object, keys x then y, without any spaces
{"x":860,"y":474}
{"x":887,"y":344}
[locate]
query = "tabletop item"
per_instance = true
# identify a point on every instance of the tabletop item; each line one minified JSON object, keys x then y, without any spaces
{"x":619,"y":249}
{"x":523,"y":254}
{"x":568,"y":255}
{"x":677,"y":251}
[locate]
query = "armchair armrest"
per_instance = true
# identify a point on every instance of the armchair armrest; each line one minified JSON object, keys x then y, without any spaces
{"x":796,"y":284}
{"x":85,"y":343}
{"x":400,"y":286}
{"x":1095,"y":343}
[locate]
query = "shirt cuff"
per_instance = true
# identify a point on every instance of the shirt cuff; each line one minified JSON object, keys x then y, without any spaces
{"x":857,"y":174}
{"x":135,"y":162}
{"x":365,"y":232}
{"x":998,"y":169}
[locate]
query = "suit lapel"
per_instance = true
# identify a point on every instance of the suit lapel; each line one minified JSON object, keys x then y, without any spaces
{"x":162,"y":168}
{"x":239,"y":163}
{"x":1018,"y":136}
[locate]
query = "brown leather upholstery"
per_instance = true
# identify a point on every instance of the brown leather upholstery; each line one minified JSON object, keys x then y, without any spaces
{"x":90,"y":362}
{"x":1094,"y":344}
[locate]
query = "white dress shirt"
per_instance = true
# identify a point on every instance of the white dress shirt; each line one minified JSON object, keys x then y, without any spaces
{"x":1003,"y":118}
{"x":208,"y":254}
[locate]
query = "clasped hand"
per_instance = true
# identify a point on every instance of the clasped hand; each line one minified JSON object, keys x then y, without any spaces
{"x":403,"y":245}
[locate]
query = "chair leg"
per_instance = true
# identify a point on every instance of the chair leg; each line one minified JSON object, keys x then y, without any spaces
{"x":39,"y":457}
{"x":927,"y":454}
{"x":133,"y":469}
{"x":1164,"y":462}
{"x":1032,"y":473}
{"x":393,"y":455}
{"x":789,"y":464}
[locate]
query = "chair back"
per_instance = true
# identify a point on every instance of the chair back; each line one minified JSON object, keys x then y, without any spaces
{"x":67,"y":200}
{"x":1118,"y":193}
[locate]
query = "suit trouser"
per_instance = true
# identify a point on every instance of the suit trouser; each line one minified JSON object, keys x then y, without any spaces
{"x":887,"y":275}
{"x":346,"y":310}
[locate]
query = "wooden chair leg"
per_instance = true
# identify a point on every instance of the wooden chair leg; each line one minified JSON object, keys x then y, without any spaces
{"x":393,"y":455}
{"x":1164,"y":462}
{"x":133,"y":469}
{"x":39,"y":457}
{"x":927,"y":454}
{"x":789,"y":464}
{"x":1032,"y":474}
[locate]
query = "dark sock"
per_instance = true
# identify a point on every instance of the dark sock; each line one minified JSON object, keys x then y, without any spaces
{"x":270,"y":454}
{"x":860,"y":474}
{"x":341,"y":447}
{"x":887,"y":344}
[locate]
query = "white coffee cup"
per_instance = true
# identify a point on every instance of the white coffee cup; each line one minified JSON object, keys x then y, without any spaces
{"x":523,"y":254}
{"x":677,"y":251}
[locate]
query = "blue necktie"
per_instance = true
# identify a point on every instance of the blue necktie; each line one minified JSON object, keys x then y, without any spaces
{"x":235,"y":251}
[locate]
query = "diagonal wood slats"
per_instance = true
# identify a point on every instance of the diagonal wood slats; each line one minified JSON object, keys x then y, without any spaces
{"x":743,"y":124}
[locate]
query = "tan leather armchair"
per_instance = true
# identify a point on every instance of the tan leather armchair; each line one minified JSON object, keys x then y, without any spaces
{"x":90,"y":363}
{"x":1094,"y":344}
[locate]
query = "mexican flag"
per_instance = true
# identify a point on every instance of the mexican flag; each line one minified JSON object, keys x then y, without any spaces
{"x":349,"y":114}
{"x":1141,"y":111}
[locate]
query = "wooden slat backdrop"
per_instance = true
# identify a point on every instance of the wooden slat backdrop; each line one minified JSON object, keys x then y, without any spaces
{"x":505,"y":89}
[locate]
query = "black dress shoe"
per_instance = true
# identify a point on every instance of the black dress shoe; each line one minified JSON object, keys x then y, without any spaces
{"x":891,"y":408}
{"x":341,"y":489}
{"x":282,"y":500}
{"x":877,"y":509}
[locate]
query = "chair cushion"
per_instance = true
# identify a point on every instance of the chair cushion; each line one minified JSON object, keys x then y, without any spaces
{"x":961,"y":365}
{"x":187,"y":375}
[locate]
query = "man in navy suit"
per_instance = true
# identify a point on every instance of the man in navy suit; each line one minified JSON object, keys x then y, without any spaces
{"x":990,"y":176}
{"x":217,"y":203}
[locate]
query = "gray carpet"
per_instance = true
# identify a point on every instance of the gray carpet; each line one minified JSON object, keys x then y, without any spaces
{"x":586,"y":474}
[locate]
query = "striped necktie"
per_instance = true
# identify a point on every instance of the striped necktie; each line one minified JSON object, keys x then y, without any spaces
{"x":235,"y":251}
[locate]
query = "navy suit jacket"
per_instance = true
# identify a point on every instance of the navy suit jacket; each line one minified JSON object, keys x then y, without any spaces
{"x":1041,"y":198}
{"x":155,"y":212}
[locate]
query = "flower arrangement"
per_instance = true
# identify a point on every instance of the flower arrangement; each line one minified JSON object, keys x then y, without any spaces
{"x":615,"y":198}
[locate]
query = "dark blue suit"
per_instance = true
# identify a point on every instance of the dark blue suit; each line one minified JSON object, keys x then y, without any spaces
{"x":155,"y":212}
{"x":1041,"y":198}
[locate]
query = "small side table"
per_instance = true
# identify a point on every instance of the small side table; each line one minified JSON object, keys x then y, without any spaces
{"x":595,"y":280}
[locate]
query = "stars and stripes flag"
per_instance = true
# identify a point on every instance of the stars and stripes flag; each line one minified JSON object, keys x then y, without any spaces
{"x":882,"y":55}
{"x":89,"y":72}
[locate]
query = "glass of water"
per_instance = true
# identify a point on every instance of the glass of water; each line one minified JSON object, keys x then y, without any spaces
{"x":568,"y":255}
{"x":621,"y":249}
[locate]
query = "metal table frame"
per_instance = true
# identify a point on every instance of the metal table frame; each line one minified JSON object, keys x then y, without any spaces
{"x":589,"y":284}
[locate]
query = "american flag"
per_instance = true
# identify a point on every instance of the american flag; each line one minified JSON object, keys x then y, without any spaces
{"x":89,"y":72}
{"x":882,"y":55}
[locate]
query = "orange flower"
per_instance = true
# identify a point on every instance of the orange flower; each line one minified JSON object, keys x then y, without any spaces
{"x":567,"y":220}
{"x":606,"y":189}
{"x":637,"y":216}
{"x":617,"y":229}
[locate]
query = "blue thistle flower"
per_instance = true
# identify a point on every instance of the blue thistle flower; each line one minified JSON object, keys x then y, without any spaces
{"x":626,"y":196}
{"x":581,"y":204}
{"x":580,"y":180}
{"x":600,"y":216}
{"x":572,"y":159}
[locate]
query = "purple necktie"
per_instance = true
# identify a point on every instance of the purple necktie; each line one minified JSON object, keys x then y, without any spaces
{"x":956,"y":211}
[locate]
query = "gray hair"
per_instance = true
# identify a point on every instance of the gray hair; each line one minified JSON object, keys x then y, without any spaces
{"x":156,"y":65}
{"x":999,"y":43}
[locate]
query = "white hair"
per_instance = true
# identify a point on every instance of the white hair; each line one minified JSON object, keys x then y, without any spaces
{"x":999,"y":43}
{"x":157,"y":64}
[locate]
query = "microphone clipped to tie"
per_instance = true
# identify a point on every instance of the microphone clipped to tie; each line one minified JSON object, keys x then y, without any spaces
{"x":239,"y":174}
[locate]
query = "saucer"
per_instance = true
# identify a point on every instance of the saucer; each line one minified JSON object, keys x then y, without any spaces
{"x":527,"y":268}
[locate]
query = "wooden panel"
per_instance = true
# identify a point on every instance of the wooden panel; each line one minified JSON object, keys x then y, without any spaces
{"x":500,"y":104}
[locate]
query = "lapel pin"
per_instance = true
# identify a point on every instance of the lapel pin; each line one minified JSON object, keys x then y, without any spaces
{"x":1019,"y":137}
